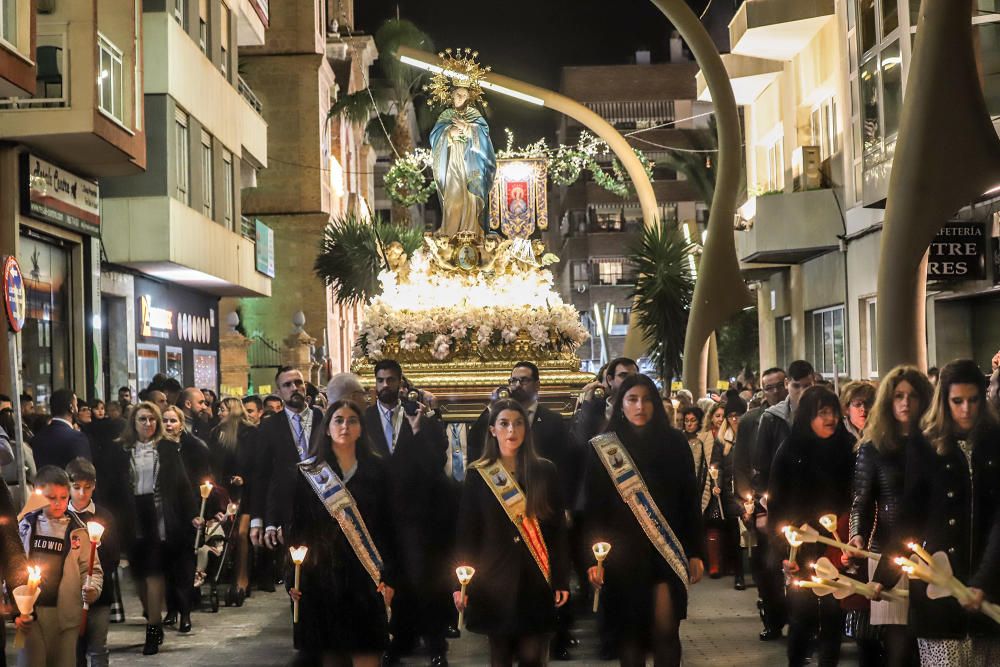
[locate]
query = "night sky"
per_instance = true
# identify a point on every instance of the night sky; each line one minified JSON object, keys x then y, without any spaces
{"x":531,"y":40}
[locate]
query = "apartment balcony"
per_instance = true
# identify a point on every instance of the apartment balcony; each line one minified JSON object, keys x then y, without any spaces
{"x":176,"y":66}
{"x":252,"y":17}
{"x":748,"y":76}
{"x":788,"y":227}
{"x":156,"y":235}
{"x":17,"y":42}
{"x":777,"y":29}
{"x":82,"y":110}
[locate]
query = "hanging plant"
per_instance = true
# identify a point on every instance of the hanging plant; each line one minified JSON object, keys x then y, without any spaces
{"x":409,"y":180}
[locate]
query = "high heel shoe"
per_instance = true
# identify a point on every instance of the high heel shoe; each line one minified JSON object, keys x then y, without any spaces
{"x":185,"y":624}
{"x":154,"y":637}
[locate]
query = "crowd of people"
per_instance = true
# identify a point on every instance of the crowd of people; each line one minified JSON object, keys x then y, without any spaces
{"x":634,"y":498}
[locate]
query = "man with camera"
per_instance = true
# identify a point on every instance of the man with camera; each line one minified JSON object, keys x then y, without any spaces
{"x":416,"y":450}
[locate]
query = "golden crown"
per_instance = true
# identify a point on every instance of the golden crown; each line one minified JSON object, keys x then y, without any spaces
{"x":461,"y":70}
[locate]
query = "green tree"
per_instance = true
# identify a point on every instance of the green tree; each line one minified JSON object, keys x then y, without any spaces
{"x":662,"y":294}
{"x":738,"y":344}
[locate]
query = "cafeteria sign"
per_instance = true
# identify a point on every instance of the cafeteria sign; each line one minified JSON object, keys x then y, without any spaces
{"x":958,"y":252}
{"x":52,"y":194}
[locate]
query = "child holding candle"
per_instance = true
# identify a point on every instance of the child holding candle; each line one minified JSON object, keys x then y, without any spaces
{"x":54,"y":542}
{"x":810,"y":477}
{"x":950,"y":504}
{"x":83,"y":482}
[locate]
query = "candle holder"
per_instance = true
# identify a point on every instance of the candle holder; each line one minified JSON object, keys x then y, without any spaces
{"x":95,"y":531}
{"x":206,"y":491}
{"x":25,"y":597}
{"x":826,"y":570}
{"x":713,"y":472}
{"x":794,"y":542}
{"x":941,"y":581}
{"x":829,"y":522}
{"x":601,"y":551}
{"x":807,"y":533}
{"x":464,"y":574}
{"x":298,"y":555}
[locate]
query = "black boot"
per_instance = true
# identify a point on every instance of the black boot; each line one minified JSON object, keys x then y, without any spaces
{"x":738,"y":583}
{"x":154,"y":637}
{"x":185,"y":625}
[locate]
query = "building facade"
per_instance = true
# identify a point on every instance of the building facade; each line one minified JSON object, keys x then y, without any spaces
{"x":592,"y":229}
{"x":176,"y":240}
{"x":71,"y":121}
{"x":821,"y":84}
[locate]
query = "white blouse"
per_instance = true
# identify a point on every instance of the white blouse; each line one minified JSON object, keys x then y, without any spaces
{"x":145,"y":461}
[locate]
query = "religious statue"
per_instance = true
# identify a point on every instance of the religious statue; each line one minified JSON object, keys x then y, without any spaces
{"x":464,"y":162}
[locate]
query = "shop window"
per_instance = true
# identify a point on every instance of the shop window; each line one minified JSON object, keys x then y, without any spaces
{"x":110,"y":80}
{"x":175,"y":363}
{"x":206,"y":369}
{"x":825,"y":340}
{"x":783,"y":341}
{"x":147,"y":362}
{"x":182,"y":156}
{"x":207,"y":177}
{"x":45,"y":338}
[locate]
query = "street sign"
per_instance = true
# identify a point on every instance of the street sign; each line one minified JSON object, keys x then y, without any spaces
{"x":14,"y":293}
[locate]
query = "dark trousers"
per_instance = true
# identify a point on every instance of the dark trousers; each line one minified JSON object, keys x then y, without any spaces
{"x":420,"y":613}
{"x":770,"y":583}
{"x":808,"y":616}
{"x":178,"y":571}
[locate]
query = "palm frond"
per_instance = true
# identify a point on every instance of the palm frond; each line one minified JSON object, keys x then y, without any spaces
{"x":351,"y":255}
{"x":662,"y":294}
{"x":376,"y":130}
{"x":356,"y":107}
{"x":391,"y":35}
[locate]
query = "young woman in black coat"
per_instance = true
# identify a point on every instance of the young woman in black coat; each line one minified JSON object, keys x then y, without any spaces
{"x":643,"y":600}
{"x":810,"y":477}
{"x":342,"y":611}
{"x":951,"y":503}
{"x":156,"y":505}
{"x":510,"y":599}
{"x":904,"y":395}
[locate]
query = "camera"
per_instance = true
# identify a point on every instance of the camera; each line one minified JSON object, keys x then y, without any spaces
{"x":410,"y":405}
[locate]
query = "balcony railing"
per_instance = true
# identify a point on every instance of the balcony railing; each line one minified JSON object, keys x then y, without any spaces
{"x":249,"y":96}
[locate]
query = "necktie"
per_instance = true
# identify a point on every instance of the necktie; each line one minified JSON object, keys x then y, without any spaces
{"x":388,"y":430}
{"x":300,"y":435}
{"x":457,"y":459}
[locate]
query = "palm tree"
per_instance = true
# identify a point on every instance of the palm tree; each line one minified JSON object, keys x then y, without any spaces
{"x":393,"y":94}
{"x":351,"y":255}
{"x":662,"y":295}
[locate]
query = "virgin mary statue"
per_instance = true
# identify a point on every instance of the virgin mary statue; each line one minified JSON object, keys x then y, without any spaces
{"x":464,"y":163}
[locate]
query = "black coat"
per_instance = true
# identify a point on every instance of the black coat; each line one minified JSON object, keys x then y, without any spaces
{"x":950,"y":511}
{"x":634,"y":566}
{"x":724,"y":462}
{"x":744,"y":450}
{"x":878,"y":489}
{"x":772,"y":430}
{"x":57,"y":444}
{"x":231,"y":462}
{"x":422,"y":500}
{"x":551,"y":439}
{"x":340,"y":608}
{"x":276,"y":468}
{"x":809,"y":478}
{"x":103,"y":434}
{"x":172,"y":486}
{"x":509,"y":595}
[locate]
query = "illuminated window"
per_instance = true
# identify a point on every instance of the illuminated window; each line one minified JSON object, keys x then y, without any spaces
{"x":110,"y":81}
{"x":825,"y":342}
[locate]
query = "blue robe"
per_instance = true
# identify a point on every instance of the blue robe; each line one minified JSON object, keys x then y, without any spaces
{"x":480,"y":159}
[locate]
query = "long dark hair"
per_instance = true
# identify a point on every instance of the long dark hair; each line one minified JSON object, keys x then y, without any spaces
{"x":939,"y":427}
{"x":813,"y":400}
{"x":321,"y":444}
{"x":620,"y":425}
{"x":528,"y":462}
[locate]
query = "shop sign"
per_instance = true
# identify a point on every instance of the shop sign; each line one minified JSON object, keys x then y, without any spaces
{"x":958,"y":252}
{"x":52,"y":194}
{"x":155,"y":322}
{"x":265,"y":249}
{"x":14,"y":293}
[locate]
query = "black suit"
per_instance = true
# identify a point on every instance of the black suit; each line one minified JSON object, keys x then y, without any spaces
{"x":277,"y":468}
{"x":424,"y":517}
{"x":59,"y":443}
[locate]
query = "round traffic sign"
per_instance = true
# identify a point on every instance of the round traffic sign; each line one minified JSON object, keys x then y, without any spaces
{"x":14,"y":294}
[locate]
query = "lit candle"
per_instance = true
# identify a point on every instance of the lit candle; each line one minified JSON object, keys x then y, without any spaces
{"x":807,"y":533}
{"x":95,"y":531}
{"x":713,"y":471}
{"x":298,"y":556}
{"x":829,"y":521}
{"x":464,"y":574}
{"x":206,"y":491}
{"x":794,"y":542}
{"x":920,"y":551}
{"x":34,"y":578}
{"x":601,"y":551}
{"x":25,"y":597}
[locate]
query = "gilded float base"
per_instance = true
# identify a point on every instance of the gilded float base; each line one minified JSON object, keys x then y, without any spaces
{"x":463,"y":387}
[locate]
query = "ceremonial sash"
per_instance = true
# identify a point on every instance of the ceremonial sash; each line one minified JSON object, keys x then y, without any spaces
{"x":514,"y":503}
{"x":633,"y":491}
{"x":339,"y":502}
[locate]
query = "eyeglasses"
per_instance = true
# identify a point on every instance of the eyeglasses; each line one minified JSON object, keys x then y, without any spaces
{"x":522,"y":381}
{"x":860,"y":403}
{"x":146,"y":420}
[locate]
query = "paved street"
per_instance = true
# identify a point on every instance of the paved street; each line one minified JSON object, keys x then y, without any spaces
{"x":722,"y":630}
